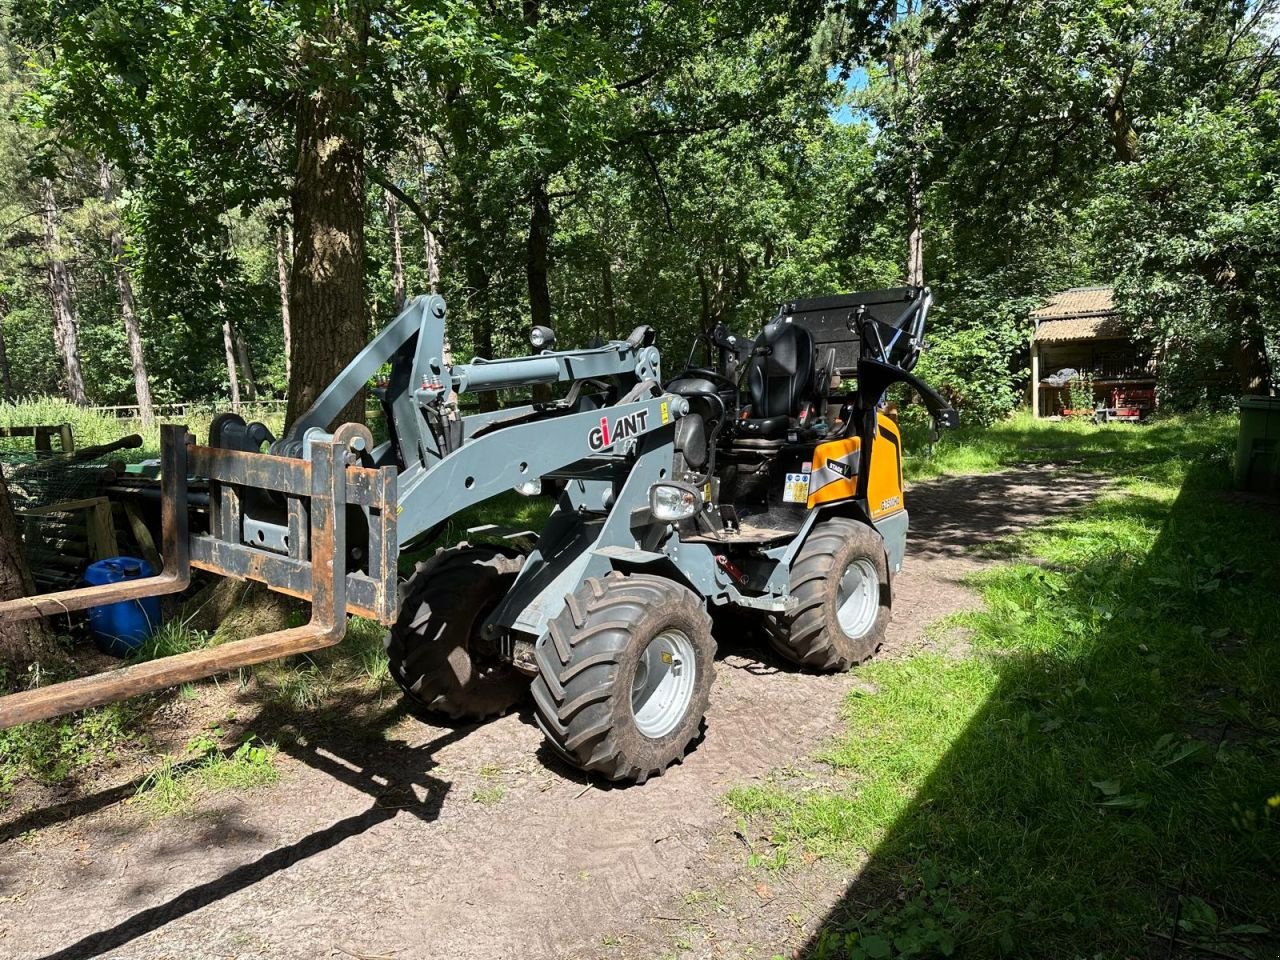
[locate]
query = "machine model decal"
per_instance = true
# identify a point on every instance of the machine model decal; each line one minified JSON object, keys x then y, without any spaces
{"x":603,"y":436}
{"x":841,"y":467}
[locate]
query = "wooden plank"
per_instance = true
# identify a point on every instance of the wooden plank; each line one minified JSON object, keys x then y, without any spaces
{"x":142,"y":534}
{"x":102,"y":531}
{"x":41,"y":434}
{"x":176,"y":574}
{"x":328,"y":618}
{"x":66,"y":506}
{"x":49,"y":559}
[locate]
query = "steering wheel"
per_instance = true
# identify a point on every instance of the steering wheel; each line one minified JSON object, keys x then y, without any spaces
{"x":711,"y":375}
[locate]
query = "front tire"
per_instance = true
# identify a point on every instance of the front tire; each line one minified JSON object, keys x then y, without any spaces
{"x":841,"y":578}
{"x":435,"y":650}
{"x":624,"y":675}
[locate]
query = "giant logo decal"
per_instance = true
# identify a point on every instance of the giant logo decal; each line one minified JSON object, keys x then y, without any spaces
{"x":606,"y":435}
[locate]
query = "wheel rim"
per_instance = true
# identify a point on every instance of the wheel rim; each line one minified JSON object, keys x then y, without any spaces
{"x":858,"y":598}
{"x":663,"y":684}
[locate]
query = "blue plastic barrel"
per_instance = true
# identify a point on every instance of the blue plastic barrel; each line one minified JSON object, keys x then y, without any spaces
{"x":120,"y":628}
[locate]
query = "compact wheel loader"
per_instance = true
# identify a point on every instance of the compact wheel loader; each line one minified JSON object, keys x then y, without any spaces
{"x":766,"y":483}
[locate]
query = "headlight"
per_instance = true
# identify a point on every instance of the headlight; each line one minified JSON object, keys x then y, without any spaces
{"x":673,"y":501}
{"x":542,"y":338}
{"x":530,"y":488}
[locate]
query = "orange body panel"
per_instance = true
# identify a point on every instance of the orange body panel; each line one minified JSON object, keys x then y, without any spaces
{"x":838,"y":463}
{"x":835,"y":471}
{"x":884,"y":484}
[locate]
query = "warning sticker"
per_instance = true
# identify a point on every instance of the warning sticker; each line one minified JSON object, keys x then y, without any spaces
{"x":665,"y":411}
{"x":796,"y":488}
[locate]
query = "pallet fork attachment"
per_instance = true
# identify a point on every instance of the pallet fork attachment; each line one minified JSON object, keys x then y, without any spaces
{"x":311,"y":564}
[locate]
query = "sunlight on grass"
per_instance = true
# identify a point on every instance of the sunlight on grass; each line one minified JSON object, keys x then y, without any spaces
{"x":1161,"y":446}
{"x":174,"y":786}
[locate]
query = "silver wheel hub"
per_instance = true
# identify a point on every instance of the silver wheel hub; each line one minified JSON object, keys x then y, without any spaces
{"x":858,"y":598}
{"x":662,"y":688}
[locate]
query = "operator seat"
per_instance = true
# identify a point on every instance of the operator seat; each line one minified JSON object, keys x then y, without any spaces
{"x":779,"y":378}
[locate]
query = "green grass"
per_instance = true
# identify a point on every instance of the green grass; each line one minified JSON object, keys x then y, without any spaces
{"x":60,"y":751}
{"x":53,"y":751}
{"x":488,"y":796}
{"x":1161,"y":448}
{"x":1101,"y":772}
{"x":359,"y":662}
{"x":174,"y":786}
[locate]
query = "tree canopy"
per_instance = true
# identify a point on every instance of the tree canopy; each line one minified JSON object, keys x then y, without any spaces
{"x":261,"y":174}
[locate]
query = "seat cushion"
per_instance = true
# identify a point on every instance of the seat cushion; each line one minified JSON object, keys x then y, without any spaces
{"x":765,"y":428}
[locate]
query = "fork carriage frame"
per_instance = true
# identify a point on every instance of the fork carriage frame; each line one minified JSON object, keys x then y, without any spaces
{"x":317,"y":493}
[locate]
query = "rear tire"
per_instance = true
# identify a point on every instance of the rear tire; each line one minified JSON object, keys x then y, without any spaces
{"x":435,"y":650}
{"x":841,"y":578}
{"x":624,"y":675}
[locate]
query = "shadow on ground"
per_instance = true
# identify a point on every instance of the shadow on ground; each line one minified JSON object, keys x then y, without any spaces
{"x":952,"y":518}
{"x":1110,"y":796}
{"x":397,"y":779}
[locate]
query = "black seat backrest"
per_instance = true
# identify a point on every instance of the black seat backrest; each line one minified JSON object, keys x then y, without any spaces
{"x":781,"y":373}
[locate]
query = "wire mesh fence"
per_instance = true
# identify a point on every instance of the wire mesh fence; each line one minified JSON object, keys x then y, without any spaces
{"x":64,"y":521}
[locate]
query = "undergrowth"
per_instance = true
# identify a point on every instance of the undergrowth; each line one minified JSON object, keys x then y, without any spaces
{"x":53,"y":751}
{"x":91,"y":428}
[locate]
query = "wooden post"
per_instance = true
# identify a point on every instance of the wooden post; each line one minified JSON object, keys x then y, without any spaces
{"x":1035,"y":378}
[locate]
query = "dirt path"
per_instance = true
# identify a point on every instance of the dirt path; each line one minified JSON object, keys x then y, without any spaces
{"x":396,"y":839}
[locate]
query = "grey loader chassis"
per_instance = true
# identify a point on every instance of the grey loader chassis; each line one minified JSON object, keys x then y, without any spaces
{"x":766,"y":482}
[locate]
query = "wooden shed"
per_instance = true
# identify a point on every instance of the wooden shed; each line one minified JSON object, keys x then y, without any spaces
{"x":1080,"y":330}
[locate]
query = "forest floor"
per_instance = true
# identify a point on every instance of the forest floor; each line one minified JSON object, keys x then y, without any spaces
{"x":344,"y":827}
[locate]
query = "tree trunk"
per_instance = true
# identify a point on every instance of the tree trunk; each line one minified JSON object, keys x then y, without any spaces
{"x":704,"y":298}
{"x":397,"y":252}
{"x":61,"y":300}
{"x":1124,"y":139}
{"x":915,"y":189}
{"x":610,"y":301}
{"x":536,"y":255}
{"x":327,"y":287}
{"x":915,"y":235}
{"x":246,"y":365}
{"x":430,"y":243}
{"x":479,"y":321}
{"x":431,"y":248}
{"x":25,"y":640}
{"x":228,"y":346}
{"x":6,"y":375}
{"x":284,"y":238}
{"x":124,"y":287}
{"x":477,"y":301}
